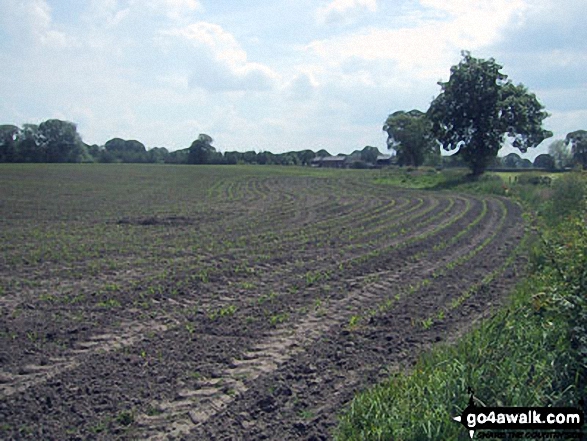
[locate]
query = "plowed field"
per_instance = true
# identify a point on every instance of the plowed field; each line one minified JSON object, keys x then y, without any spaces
{"x":156,"y":302}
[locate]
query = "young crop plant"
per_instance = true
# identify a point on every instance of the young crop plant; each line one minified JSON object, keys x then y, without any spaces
{"x":48,"y":298}
{"x":306,"y":414}
{"x":109,"y":303}
{"x":354,"y":322}
{"x":247,"y":285}
{"x":277,"y":319}
{"x":267,"y":298}
{"x":225,"y":311}
{"x":125,"y":418}
{"x":203,"y":276}
{"x":427,"y":323}
{"x":190,"y":328}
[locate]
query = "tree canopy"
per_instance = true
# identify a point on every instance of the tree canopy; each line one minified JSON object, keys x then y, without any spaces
{"x":479,"y":108}
{"x":120,"y":150}
{"x":51,"y":141}
{"x":409,"y":134}
{"x":201,"y":150}
{"x":59,"y":141}
{"x":8,"y":135}
{"x":544,"y":161}
{"x":512,"y":160}
{"x":578,"y":142}
{"x":559,"y":150}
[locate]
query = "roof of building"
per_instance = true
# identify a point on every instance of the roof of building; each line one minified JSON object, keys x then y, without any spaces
{"x":329,"y":159}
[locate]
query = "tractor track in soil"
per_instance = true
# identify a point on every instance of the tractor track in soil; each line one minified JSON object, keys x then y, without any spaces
{"x":283,"y":360}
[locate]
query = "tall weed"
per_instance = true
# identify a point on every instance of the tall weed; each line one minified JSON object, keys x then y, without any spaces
{"x":568,"y":198}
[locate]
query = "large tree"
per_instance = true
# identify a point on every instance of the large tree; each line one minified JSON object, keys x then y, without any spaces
{"x":201,"y":150}
{"x":479,"y":108}
{"x":544,"y":161}
{"x":8,"y":134}
{"x":121,"y":150}
{"x":60,"y":142}
{"x":409,"y":134}
{"x":369,"y":154}
{"x":578,"y":142}
{"x":559,"y":150}
{"x":27,"y":144}
{"x":513,"y":160}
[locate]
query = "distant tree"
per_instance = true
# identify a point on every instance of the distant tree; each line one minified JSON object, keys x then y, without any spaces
{"x":561,"y":153}
{"x":120,"y":150}
{"x":265,"y":158}
{"x":544,"y":161}
{"x":94,"y":150}
{"x":305,"y":157}
{"x":201,"y":150}
{"x":60,"y":142}
{"x":178,"y":157}
{"x":157,"y":155}
{"x":8,"y":135}
{"x":262,"y":158}
{"x":115,"y":146}
{"x":231,"y":158}
{"x":107,"y":157}
{"x":409,"y":134}
{"x":277,"y":159}
{"x":369,"y":154}
{"x":322,"y":153}
{"x":513,"y":160}
{"x":479,"y":108}
{"x":289,"y":158}
{"x":27,"y":144}
{"x":497,"y":162}
{"x":578,"y":142}
{"x":250,"y":157}
{"x":525,"y":163}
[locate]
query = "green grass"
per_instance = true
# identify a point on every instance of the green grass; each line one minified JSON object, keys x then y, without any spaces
{"x":513,"y":360}
{"x":531,"y":353}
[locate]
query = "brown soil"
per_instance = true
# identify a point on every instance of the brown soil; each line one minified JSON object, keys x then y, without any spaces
{"x":306,"y":299}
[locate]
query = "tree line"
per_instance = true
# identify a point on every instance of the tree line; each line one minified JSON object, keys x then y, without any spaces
{"x":58,"y":141}
{"x":478,"y":110}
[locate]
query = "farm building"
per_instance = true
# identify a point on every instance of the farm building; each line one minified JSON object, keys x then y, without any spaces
{"x":330,"y":161}
{"x":384,"y":160}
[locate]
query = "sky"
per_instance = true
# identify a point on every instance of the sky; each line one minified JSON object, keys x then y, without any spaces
{"x":275,"y":75}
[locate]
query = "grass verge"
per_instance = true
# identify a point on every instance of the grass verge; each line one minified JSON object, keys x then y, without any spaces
{"x":531,"y":353}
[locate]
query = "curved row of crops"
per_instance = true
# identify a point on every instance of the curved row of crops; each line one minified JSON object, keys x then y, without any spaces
{"x":181,"y":307}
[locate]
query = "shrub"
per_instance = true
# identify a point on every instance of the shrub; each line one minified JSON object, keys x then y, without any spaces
{"x":568,"y":198}
{"x":534,"y":179}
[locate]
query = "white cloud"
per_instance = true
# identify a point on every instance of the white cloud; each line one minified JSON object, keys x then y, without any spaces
{"x":106,"y":13}
{"x":338,"y":10}
{"x":219,"y":62}
{"x":176,"y":9}
{"x":302,"y":86}
{"x":32,"y":20}
{"x":110,"y":13}
{"x":424,"y":51}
